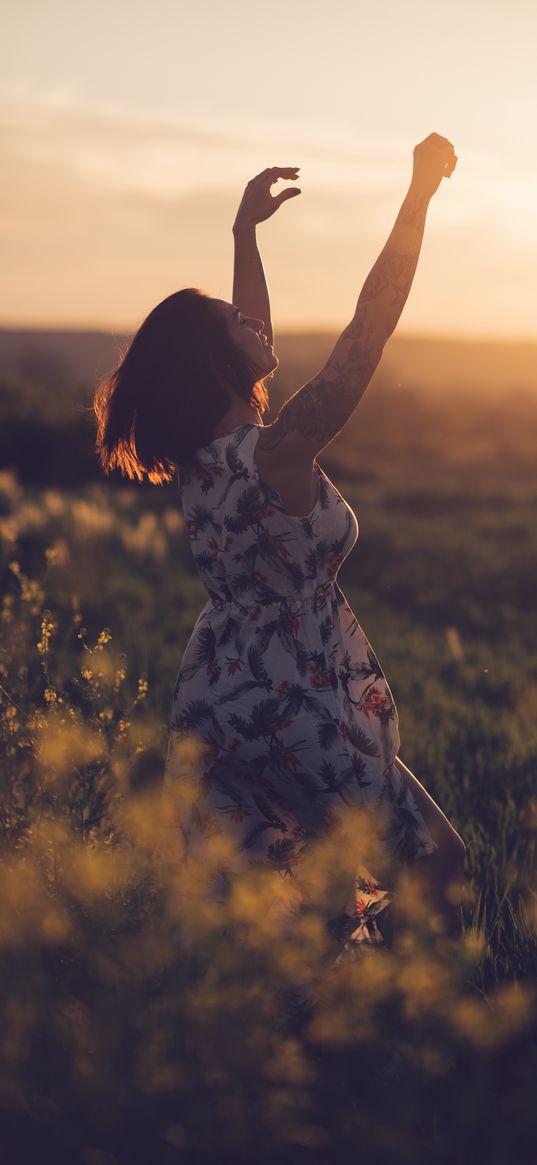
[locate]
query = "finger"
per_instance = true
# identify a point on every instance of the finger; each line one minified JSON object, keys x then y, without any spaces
{"x":442,"y":145}
{"x":261,"y":178}
{"x":285,"y":195}
{"x":443,"y":149}
{"x":275,"y":172}
{"x":437,"y":140}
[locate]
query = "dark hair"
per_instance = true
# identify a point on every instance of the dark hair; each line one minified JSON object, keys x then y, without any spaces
{"x":171,"y":388}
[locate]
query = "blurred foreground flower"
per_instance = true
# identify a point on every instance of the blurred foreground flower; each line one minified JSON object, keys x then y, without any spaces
{"x":159,"y":1005}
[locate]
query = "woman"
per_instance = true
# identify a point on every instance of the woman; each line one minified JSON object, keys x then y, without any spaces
{"x":278,"y":685}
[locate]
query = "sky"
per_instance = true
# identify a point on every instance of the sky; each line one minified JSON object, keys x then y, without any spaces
{"x":128,"y":132}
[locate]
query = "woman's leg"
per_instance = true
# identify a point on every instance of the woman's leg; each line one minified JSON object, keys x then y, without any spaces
{"x":438,"y":875}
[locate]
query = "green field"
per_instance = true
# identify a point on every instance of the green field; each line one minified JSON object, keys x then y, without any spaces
{"x":105,"y":1028}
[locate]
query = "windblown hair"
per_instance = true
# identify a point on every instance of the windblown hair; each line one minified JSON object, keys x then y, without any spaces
{"x":171,"y":388}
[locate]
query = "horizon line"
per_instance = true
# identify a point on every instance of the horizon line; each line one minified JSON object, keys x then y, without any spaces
{"x":508,"y":338}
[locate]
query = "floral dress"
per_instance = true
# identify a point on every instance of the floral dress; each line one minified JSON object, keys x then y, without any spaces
{"x":280,"y":687}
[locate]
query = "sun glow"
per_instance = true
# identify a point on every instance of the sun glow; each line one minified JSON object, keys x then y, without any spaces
{"x":117,"y":191}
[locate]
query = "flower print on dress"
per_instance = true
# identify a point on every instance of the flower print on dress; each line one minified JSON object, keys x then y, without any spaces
{"x":278,"y":680}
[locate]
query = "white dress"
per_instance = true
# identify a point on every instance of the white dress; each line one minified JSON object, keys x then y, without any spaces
{"x":281,"y":687}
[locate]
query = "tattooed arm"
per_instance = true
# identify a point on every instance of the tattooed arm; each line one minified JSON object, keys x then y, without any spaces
{"x":311,"y":418}
{"x":250,"y":292}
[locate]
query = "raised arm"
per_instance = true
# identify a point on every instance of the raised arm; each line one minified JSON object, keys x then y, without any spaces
{"x":311,"y":418}
{"x":250,"y":291}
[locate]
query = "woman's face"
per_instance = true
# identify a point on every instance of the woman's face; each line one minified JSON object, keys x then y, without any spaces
{"x":247,"y":335}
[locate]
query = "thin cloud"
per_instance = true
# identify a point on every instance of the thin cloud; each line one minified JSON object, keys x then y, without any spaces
{"x":103,"y":214}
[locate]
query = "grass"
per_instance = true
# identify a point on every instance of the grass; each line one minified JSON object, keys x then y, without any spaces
{"x":118,"y":1045}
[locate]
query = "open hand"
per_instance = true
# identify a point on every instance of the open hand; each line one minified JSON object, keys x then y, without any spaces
{"x":434,"y":159}
{"x":257,"y":202}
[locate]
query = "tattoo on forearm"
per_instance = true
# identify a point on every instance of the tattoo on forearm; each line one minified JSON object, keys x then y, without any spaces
{"x":320,"y":409}
{"x":413,"y":211}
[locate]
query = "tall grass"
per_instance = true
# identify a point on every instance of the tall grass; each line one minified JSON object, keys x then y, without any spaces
{"x":145,"y":1017}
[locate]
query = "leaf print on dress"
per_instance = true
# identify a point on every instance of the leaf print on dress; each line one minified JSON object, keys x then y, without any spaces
{"x":247,"y":509}
{"x":238,"y":470}
{"x":278,"y":680}
{"x":361,"y":740}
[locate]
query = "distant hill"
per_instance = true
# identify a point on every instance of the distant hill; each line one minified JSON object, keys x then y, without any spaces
{"x":79,"y":358}
{"x":444,"y":402}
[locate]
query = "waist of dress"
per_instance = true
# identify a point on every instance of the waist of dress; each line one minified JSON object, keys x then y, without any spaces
{"x":318,"y":594}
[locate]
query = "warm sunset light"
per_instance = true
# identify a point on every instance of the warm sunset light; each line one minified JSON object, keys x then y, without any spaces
{"x":128,"y":132}
{"x":268,"y":550}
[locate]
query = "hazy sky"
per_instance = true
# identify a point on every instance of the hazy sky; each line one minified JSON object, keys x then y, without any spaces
{"x":129,"y":130}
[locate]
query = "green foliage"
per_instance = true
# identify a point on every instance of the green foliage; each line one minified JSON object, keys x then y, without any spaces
{"x":122,"y":1041}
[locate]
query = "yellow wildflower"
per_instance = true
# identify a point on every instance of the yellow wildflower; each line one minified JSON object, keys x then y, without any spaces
{"x":121,"y":672}
{"x":13,"y":724}
{"x":48,"y":627}
{"x":58,"y":553}
{"x":75,"y":604}
{"x":36,"y":720}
